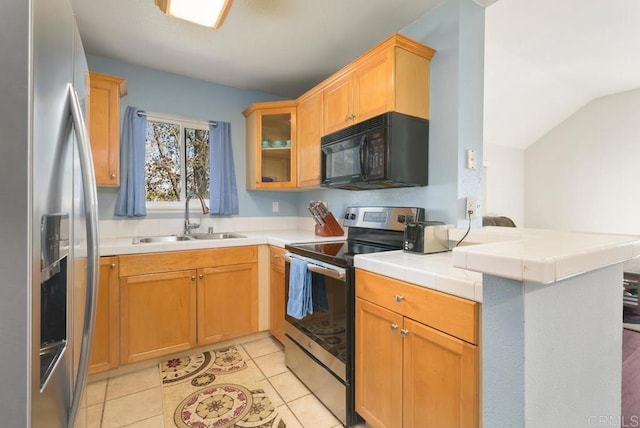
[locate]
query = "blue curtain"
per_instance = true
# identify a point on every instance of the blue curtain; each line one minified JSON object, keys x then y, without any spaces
{"x":223,"y":191}
{"x":131,"y":196}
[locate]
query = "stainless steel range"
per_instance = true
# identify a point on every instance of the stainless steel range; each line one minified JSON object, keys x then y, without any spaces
{"x":319,"y":344}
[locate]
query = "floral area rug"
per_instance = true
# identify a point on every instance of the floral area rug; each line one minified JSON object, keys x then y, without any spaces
{"x":216,"y":389}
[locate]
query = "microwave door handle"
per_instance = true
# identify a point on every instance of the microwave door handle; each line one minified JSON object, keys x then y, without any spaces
{"x":364,"y":154}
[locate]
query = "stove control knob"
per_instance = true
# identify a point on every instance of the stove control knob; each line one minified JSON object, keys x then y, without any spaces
{"x":352,"y":216}
{"x":346,"y":216}
{"x":401,"y":218}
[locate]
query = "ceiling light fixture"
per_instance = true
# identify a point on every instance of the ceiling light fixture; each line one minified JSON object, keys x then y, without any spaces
{"x":210,"y":13}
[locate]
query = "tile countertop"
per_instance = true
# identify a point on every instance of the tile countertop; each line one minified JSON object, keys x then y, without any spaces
{"x":278,"y":238}
{"x":434,"y":271}
{"x":543,"y":256}
{"x":538,"y":255}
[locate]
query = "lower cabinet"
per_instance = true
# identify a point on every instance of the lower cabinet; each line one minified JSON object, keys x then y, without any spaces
{"x":227,"y":302}
{"x":158,"y":314}
{"x":276,"y":293}
{"x":174,"y":301}
{"x":408,"y":373}
{"x":104,"y":350}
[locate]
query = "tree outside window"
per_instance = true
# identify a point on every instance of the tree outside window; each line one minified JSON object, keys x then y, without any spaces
{"x":176,"y":161}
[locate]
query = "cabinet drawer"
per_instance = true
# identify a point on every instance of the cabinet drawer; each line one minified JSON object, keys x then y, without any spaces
{"x":137,"y":264}
{"x":450,"y":314}
{"x":275,"y":254}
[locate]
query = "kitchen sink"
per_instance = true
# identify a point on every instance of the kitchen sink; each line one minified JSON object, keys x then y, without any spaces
{"x":176,"y":238}
{"x":219,"y":235}
{"x":161,"y":238}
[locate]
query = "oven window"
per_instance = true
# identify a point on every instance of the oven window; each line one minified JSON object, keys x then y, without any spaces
{"x":327,"y":326}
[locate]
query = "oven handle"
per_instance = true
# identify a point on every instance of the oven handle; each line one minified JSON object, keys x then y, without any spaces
{"x":333,"y":273}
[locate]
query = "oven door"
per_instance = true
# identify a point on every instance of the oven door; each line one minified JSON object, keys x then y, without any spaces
{"x":323,"y":334}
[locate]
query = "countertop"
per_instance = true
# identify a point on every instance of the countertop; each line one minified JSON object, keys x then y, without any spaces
{"x":278,"y":238}
{"x":543,"y":256}
{"x":434,"y":271}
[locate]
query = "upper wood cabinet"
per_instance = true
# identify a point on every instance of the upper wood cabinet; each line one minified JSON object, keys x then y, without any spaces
{"x":103,"y":116}
{"x":271,"y":145}
{"x":394,"y":76}
{"x":309,"y":133}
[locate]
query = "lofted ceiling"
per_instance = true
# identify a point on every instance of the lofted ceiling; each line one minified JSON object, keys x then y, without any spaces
{"x":281,"y":47}
{"x":545,"y":59}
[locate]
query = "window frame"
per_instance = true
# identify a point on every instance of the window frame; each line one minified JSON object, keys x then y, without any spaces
{"x":182,"y":122}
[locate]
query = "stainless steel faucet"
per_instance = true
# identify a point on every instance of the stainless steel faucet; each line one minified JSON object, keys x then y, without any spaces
{"x":188,"y":226}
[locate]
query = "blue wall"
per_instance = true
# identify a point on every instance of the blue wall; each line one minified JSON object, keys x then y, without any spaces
{"x":161,"y":92}
{"x":455,"y":29}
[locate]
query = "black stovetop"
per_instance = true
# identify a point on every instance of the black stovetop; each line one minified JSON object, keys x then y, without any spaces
{"x":340,"y":253}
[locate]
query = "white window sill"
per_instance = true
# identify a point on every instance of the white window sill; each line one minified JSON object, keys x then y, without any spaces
{"x":173,"y":207}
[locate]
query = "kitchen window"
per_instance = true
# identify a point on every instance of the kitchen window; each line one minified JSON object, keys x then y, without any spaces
{"x":176,"y":161}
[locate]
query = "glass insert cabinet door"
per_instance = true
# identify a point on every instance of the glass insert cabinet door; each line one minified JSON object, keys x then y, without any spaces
{"x":271,"y":147}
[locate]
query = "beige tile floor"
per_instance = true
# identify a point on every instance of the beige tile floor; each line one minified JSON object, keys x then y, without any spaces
{"x":134,"y":400}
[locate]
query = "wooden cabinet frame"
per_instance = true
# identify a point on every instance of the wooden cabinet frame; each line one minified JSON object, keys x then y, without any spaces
{"x":255,"y":169}
{"x":105,"y":349}
{"x":393,"y":76}
{"x":277,"y":304}
{"x":409,"y":374}
{"x":165,"y":301}
{"x":103,"y":118}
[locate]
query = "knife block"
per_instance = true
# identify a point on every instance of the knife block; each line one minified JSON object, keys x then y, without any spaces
{"x":331,"y":227}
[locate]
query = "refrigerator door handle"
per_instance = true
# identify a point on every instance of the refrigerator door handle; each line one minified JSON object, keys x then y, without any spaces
{"x":90,"y":207}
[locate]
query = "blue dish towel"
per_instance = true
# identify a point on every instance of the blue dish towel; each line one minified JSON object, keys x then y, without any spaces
{"x":299,"y":303}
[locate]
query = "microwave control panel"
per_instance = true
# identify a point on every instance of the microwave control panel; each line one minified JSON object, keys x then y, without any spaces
{"x":375,"y":155}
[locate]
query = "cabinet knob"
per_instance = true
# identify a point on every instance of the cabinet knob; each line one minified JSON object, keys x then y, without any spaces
{"x":399,"y":298}
{"x":201,"y":276}
{"x":353,"y":116}
{"x":113,"y":176}
{"x":347,"y":117}
{"x":193,"y":277}
{"x":112,"y":265}
{"x":404,"y":332}
{"x":394,"y":326}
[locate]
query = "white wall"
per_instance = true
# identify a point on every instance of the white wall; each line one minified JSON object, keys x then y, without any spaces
{"x":503,"y":181}
{"x":584,"y":174}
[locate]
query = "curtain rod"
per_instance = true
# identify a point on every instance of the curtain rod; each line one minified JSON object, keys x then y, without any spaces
{"x":175,"y":118}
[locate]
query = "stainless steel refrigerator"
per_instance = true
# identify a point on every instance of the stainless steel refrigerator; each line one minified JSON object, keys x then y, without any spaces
{"x":48,"y":217}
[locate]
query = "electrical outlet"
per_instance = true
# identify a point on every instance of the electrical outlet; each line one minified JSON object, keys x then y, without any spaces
{"x":472,"y":159}
{"x":275,"y":206}
{"x":472,"y":207}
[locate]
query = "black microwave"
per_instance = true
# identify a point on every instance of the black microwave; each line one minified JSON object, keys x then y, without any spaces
{"x":390,"y":150}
